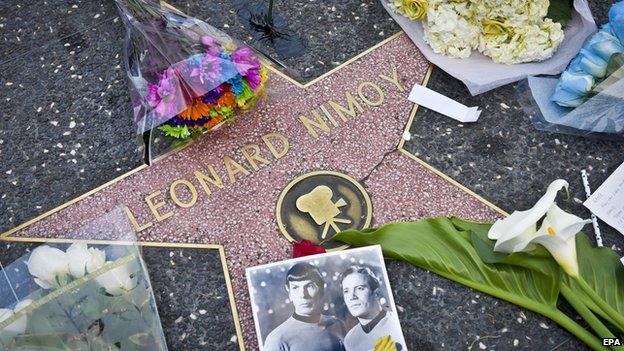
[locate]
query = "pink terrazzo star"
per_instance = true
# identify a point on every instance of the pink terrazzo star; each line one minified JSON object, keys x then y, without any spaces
{"x":241,"y":216}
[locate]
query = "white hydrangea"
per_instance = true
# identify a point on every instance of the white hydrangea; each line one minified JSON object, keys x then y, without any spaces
{"x":514,"y":12}
{"x":520,"y":33}
{"x":526,"y":43}
{"x":449,"y":28}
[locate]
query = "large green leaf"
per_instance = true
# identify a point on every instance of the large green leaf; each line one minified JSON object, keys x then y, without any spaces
{"x":538,"y":260}
{"x":560,"y":11}
{"x":444,"y":246}
{"x":601,"y":268}
{"x":436,"y":245}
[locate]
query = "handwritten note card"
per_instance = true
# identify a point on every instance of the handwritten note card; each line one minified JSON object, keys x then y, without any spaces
{"x":607,"y":202}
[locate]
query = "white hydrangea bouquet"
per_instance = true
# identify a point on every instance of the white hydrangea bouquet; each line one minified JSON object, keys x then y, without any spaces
{"x":508,"y":31}
{"x":499,"y":41}
{"x":79,"y":297}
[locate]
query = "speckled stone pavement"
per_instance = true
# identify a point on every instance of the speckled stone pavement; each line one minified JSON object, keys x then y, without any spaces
{"x":57,"y":156}
{"x":241,"y":214}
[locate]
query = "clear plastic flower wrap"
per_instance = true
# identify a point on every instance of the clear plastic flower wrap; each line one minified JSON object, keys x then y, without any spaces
{"x":588,"y":98}
{"x":79,"y":296}
{"x":186,"y":77}
{"x":600,"y":117}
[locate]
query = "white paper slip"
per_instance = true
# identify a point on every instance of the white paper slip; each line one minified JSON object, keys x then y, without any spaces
{"x":433,"y":100}
{"x":607,"y":202}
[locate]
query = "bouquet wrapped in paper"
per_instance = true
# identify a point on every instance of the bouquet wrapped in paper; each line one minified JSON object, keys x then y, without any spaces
{"x":79,"y":297}
{"x":186,"y":77}
{"x":490,"y":43}
{"x":588,"y":98}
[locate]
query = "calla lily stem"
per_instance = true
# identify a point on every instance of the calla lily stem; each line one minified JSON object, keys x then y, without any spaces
{"x":570,"y":325}
{"x":588,"y":315}
{"x":613,"y":314}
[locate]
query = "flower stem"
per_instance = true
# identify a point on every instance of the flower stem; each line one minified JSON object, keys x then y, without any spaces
{"x":613,"y":314}
{"x":570,"y":325}
{"x":587,"y":314}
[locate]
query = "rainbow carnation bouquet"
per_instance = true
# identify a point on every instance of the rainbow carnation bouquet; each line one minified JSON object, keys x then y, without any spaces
{"x":186,"y":77}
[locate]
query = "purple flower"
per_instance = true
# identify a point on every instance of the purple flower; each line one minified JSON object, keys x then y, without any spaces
{"x":152,"y":96}
{"x":244,"y":60}
{"x":212,"y":96}
{"x":254,"y":79}
{"x":209,"y":41}
{"x":207,"y":68}
{"x":166,"y":97}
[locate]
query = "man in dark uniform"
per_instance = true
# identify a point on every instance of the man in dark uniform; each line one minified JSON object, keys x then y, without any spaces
{"x":307,"y":329}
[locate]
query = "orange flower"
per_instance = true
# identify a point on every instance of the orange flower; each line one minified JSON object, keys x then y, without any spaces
{"x":227,"y":99}
{"x":212,"y":122}
{"x":196,"y":111}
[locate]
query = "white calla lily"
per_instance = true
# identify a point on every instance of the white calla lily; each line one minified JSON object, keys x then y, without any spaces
{"x":558,"y":235}
{"x":119,"y":280}
{"x":49,"y":266}
{"x":83,"y":260}
{"x":520,"y":226}
{"x":557,"y":232}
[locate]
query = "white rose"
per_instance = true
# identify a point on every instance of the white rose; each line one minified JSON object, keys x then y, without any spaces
{"x":119,"y":280}
{"x":83,"y":260}
{"x":17,"y":327}
{"x":49,"y":266}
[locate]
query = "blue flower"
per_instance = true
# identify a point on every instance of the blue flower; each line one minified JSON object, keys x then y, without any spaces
{"x":607,"y":28}
{"x":237,"y":84}
{"x":616,"y":20}
{"x":604,"y":45}
{"x":588,"y":62}
{"x":572,"y":89}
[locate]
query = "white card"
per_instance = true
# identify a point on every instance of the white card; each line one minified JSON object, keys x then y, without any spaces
{"x":607,"y":202}
{"x":433,"y":100}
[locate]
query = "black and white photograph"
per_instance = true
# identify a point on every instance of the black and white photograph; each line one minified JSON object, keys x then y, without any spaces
{"x":334,"y":301}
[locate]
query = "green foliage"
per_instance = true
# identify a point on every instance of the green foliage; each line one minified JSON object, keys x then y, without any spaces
{"x":560,"y":11}
{"x":245,"y":95}
{"x":438,"y":246}
{"x":538,"y":260}
{"x":177,"y":132}
{"x":601,"y":268}
{"x":460,"y":250}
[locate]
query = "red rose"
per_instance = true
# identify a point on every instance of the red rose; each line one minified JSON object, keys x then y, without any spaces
{"x":306,"y":248}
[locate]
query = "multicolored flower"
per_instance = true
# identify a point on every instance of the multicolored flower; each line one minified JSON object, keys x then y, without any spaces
{"x":218,"y":83}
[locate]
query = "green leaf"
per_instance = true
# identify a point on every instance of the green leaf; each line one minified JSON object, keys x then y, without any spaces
{"x":436,"y":245}
{"x":538,"y":260}
{"x":615,"y":63}
{"x":560,"y":11}
{"x":177,"y":132}
{"x":601,"y":268}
